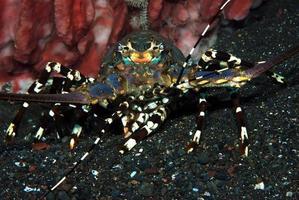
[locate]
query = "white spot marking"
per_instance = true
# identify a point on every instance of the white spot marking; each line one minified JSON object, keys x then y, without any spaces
{"x":10,"y":130}
{"x":150,"y":124}
{"x":259,"y":186}
{"x":77,"y":130}
{"x":77,"y":76}
{"x":155,"y":126}
{"x":55,"y":186}
{"x":38,"y":87}
{"x":130,"y":143}
{"x":206,"y":29}
{"x":109,"y":120}
{"x":233,"y":58}
{"x":57,"y":68}
{"x":141,"y":117}
{"x":238,"y":109}
{"x":196,"y":137}
{"x":51,"y":113}
{"x":147,"y":130}
{"x":152,"y":105}
{"x":165,"y":100}
{"x":39,"y":133}
{"x":48,"y":68}
{"x":25,"y":105}
{"x":202,"y":113}
{"x":205,"y":58}
{"x":243,"y":134}
{"x":202,"y":100}
{"x":70,"y":75}
{"x":224,"y":4}
{"x":91,"y":80}
{"x":84,"y":156}
{"x":97,"y":141}
{"x":124,"y":120}
{"x":214,"y":53}
{"x":260,"y":62}
{"x":192,"y":50}
{"x":135,"y":126}
{"x":85,"y":108}
{"x":72,"y":143}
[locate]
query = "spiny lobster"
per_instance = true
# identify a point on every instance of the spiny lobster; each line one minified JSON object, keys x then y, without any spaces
{"x":141,"y":80}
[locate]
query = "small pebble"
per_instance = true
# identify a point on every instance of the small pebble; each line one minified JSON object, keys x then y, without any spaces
{"x":29,"y":189}
{"x":62,"y":195}
{"x":95,"y":173}
{"x":146,"y":189}
{"x":207,"y":194}
{"x":133,"y":174}
{"x":289,"y":194}
{"x":195,"y":189}
{"x":259,"y":186}
{"x":203,"y":158}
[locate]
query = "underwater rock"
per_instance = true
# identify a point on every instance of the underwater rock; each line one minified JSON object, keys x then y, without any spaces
{"x":77,"y":33}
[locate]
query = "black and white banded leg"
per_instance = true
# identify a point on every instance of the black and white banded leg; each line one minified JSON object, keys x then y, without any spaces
{"x":108,"y":121}
{"x":155,"y":119}
{"x":54,"y":115}
{"x":199,"y":124}
{"x":200,"y":38}
{"x":78,"y":127}
{"x":244,"y":141}
{"x":38,"y":86}
{"x":213,"y":60}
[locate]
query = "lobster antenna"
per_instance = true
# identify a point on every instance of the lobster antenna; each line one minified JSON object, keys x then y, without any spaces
{"x":258,"y":69}
{"x":75,"y":98}
{"x":264,"y":66}
{"x":199,"y":39}
{"x":143,"y":13}
{"x":72,"y":169}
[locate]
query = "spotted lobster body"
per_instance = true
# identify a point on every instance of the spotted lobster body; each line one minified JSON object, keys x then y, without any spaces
{"x":141,"y":81}
{"x":135,"y":65}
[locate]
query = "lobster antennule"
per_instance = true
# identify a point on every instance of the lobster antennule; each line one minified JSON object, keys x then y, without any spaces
{"x":262,"y":67}
{"x":72,"y":98}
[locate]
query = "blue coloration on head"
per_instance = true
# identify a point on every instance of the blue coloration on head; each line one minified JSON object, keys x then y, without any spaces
{"x":100,"y":89}
{"x":113,"y":80}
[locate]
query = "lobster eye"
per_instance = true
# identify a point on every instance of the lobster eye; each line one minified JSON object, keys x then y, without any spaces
{"x":155,"y":48}
{"x":126,"y":48}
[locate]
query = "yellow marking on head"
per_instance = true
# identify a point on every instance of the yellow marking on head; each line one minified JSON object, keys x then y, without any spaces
{"x":241,"y":79}
{"x":220,"y":81}
{"x":141,"y":57}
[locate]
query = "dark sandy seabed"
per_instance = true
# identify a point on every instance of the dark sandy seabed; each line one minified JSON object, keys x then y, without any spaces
{"x":159,"y":168}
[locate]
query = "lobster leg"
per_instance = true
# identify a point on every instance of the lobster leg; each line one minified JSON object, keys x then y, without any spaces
{"x":53,"y":115}
{"x":78,"y":127}
{"x":200,"y":123}
{"x":155,"y":119}
{"x":235,"y":96}
{"x":219,"y":61}
{"x":108,"y":121}
{"x":38,"y":86}
{"x":58,"y":86}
